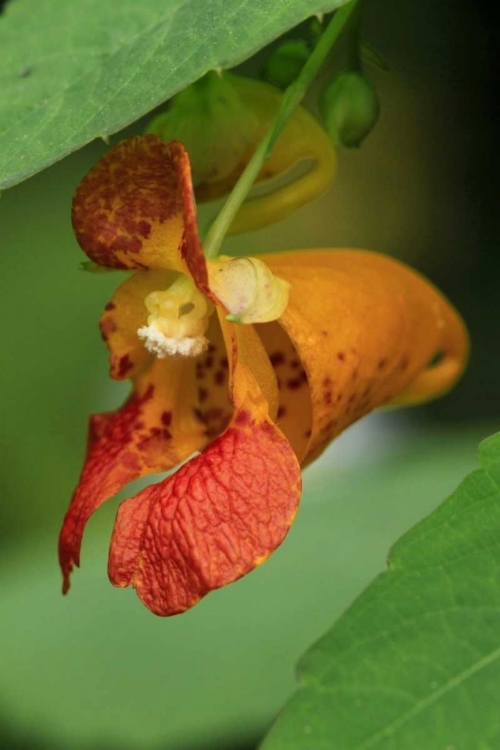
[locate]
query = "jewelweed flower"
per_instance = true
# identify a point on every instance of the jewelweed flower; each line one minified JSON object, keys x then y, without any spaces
{"x":253,"y":365}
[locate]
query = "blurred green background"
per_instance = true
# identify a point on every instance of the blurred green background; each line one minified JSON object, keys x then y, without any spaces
{"x":97,"y":670}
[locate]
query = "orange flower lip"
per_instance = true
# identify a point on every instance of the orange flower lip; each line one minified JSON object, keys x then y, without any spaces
{"x":356,"y":331}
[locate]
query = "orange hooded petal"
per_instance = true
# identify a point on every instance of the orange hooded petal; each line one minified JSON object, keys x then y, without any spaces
{"x":136,"y":209}
{"x":220,"y":515}
{"x":366,"y":329}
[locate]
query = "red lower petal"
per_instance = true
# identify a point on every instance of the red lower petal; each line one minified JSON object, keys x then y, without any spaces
{"x":155,"y":430}
{"x":112,"y":461}
{"x":217,"y":518}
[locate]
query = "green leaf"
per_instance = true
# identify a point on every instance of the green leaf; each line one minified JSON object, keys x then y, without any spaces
{"x":415,"y":662}
{"x":72,"y":72}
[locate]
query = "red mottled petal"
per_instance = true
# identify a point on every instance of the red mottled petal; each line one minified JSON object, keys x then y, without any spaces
{"x":222,"y":513}
{"x":191,"y":249}
{"x":216,"y":519}
{"x":135,"y":209}
{"x":155,"y":430}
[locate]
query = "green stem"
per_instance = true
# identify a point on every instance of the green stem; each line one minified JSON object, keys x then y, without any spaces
{"x":291,"y":98}
{"x":352,"y":33}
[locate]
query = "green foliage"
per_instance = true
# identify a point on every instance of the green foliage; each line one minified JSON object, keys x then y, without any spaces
{"x":415,"y":662}
{"x":72,"y":72}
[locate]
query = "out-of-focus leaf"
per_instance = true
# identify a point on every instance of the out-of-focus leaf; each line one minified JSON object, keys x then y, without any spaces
{"x":415,"y":662}
{"x":89,"y":267}
{"x":72,"y":72}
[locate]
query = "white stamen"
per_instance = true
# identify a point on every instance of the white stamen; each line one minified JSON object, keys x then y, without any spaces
{"x":157,"y":343}
{"x":177,"y":321}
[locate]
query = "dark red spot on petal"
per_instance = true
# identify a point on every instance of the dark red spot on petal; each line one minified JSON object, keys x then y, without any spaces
{"x":148,"y":393}
{"x":243,"y":418}
{"x":278,"y":358}
{"x":341,"y":356}
{"x":127,"y":245}
{"x":166,"y":418}
{"x":219,"y":377}
{"x":329,"y":427}
{"x":107,"y":326}
{"x":124,"y":366}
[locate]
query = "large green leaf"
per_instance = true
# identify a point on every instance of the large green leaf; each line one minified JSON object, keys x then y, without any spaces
{"x":415,"y":662}
{"x":75,"y":71}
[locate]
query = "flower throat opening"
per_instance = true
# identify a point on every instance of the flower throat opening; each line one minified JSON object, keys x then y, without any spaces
{"x":177,"y":322}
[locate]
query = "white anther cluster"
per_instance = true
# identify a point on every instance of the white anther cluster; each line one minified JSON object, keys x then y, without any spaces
{"x":177,"y":322}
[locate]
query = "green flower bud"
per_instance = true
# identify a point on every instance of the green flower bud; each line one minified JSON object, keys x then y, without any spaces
{"x":285,"y":63}
{"x":350,"y":108}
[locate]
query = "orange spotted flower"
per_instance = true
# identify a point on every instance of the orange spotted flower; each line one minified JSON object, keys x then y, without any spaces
{"x":251,"y":364}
